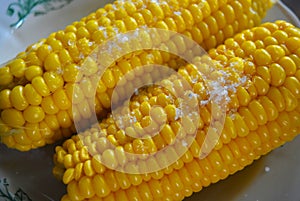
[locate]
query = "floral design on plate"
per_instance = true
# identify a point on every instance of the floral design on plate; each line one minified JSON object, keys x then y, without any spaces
{"x":6,"y":195}
{"x":23,"y":8}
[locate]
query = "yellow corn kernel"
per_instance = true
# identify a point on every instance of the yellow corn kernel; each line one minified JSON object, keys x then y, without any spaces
{"x":61,"y":100}
{"x":18,"y":99}
{"x":17,"y":68}
{"x":12,"y":117}
{"x":40,"y":86}
{"x":288,"y":64}
{"x":34,"y":114}
{"x":52,"y":62}
{"x":31,"y":95}
{"x":262,"y":57}
{"x":276,"y":52}
{"x":5,"y":99}
{"x":49,"y":106}
{"x":32,"y":72}
{"x":53,"y":80}
{"x":6,"y":76}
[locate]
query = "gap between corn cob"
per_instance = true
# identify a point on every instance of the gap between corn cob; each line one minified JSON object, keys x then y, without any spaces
{"x":40,"y":80}
{"x":262,"y":114}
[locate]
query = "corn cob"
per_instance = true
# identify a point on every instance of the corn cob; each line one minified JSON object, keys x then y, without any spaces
{"x":36,"y":86}
{"x":263,"y":113}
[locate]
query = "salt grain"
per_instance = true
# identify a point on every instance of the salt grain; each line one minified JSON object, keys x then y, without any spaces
{"x":267,"y":169}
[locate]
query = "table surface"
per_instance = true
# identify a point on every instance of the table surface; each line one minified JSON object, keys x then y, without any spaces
{"x":293,"y":5}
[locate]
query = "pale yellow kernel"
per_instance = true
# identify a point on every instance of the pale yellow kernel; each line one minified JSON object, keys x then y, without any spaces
{"x":158,"y":114}
{"x":109,"y":158}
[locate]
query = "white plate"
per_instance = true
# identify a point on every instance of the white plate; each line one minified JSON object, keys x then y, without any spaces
{"x":275,"y":177}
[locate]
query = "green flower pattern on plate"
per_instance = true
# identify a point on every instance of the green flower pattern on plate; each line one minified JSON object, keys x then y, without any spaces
{"x":6,"y":195}
{"x":23,"y":8}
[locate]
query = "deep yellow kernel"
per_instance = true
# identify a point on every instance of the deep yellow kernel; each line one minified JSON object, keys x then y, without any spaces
{"x":6,"y":76}
{"x":18,"y":99}
{"x":12,"y":117}
{"x":49,"y":105}
{"x":276,"y":52}
{"x":31,"y":95}
{"x":5,"y":99}
{"x":53,"y":80}
{"x":32,"y":72}
{"x":52,"y":62}
{"x":278,"y":74}
{"x":17,"y":68}
{"x":262,"y":57}
{"x":288,"y":64}
{"x":34,"y":114}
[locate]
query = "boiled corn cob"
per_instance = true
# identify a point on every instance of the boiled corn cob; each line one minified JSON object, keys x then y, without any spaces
{"x":262,"y":67}
{"x":37,"y":86}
